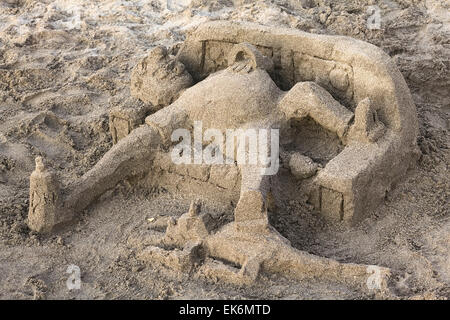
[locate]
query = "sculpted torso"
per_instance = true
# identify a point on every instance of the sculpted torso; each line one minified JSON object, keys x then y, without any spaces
{"x":229,"y":99}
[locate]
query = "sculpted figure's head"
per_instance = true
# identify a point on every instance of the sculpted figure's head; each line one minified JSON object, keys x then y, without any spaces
{"x":159,"y":78}
{"x":245,"y":57}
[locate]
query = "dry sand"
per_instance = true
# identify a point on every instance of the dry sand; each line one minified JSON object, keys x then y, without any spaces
{"x":64,"y":64}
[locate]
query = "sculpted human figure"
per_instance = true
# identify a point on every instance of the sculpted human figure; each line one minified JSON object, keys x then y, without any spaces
{"x":240,"y":94}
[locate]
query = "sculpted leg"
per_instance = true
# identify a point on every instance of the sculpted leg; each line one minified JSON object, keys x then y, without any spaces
{"x":310,"y":99}
{"x":250,"y":214}
{"x":131,"y":156}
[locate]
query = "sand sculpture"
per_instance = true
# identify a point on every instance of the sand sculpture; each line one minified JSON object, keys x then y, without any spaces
{"x":348,"y":131}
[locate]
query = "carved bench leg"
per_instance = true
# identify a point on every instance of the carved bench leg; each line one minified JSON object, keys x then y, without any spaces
{"x":123,"y":120}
